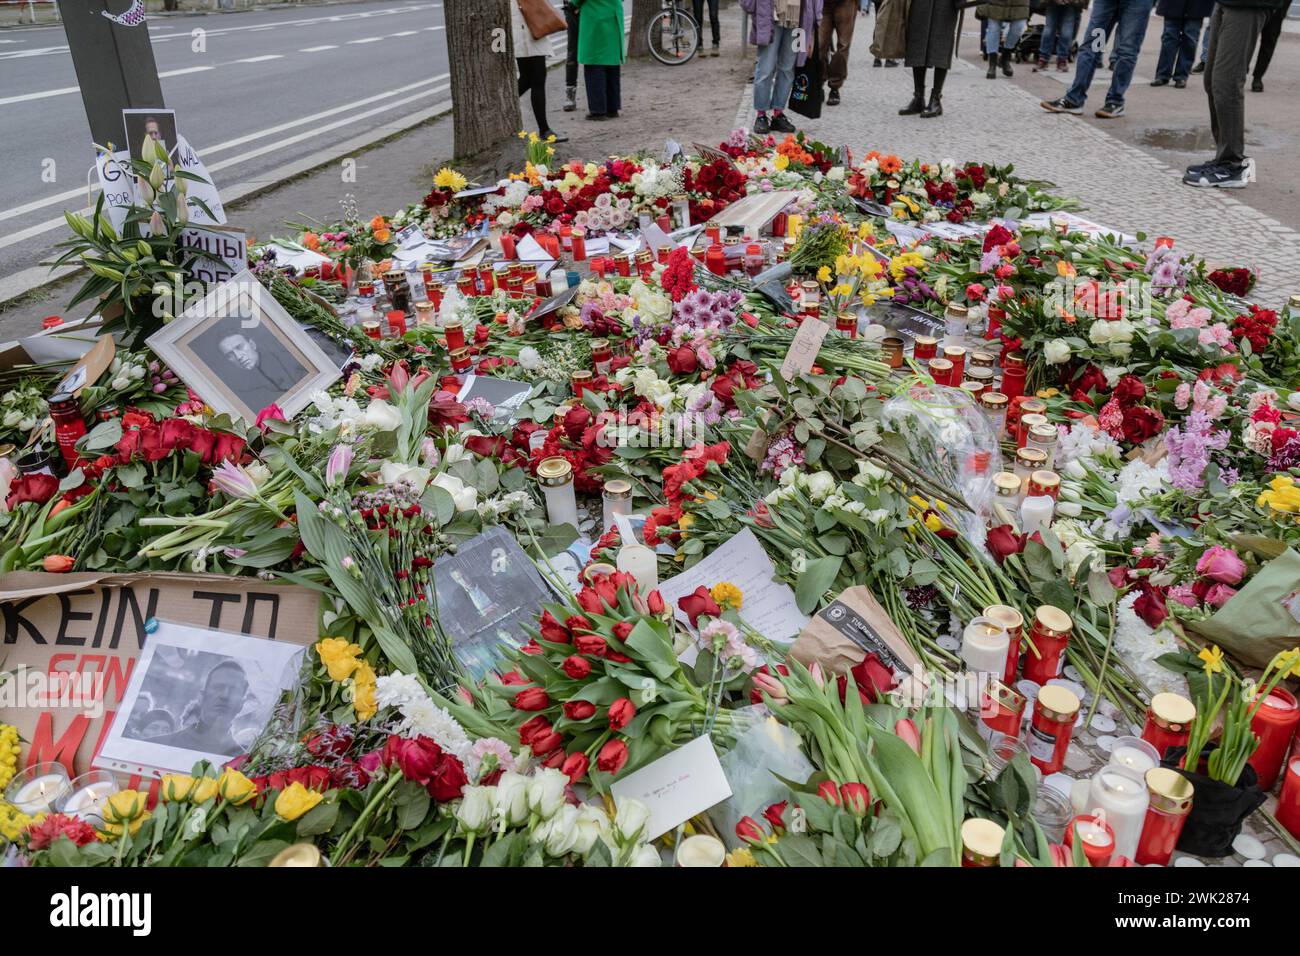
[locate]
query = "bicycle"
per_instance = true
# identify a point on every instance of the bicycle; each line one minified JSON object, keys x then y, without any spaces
{"x":673,"y":35}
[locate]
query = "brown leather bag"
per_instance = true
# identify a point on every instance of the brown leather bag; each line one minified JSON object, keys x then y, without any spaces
{"x":542,"y":18}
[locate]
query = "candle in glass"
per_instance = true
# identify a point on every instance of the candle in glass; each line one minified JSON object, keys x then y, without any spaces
{"x":984,"y":648}
{"x":1095,"y":834}
{"x":35,"y":789}
{"x":1051,"y":727}
{"x":555,"y":475}
{"x":1170,"y":800}
{"x":1036,"y":513}
{"x":1007,"y":617}
{"x":1134,"y":755}
{"x":1168,"y":722}
{"x":616,"y":500}
{"x":1288,"y":802}
{"x":87,"y":794}
{"x":1124,"y":799}
{"x":981,"y":842}
{"x":1049,"y":636}
{"x":1274,"y":723}
{"x":639,"y":561}
{"x":701,"y":850}
{"x":1001,"y":709}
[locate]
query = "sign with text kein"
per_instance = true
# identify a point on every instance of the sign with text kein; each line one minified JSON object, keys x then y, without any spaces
{"x":71,"y":642}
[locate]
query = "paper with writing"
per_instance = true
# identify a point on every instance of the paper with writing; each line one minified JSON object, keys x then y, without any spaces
{"x":677,"y":786}
{"x":804,"y":347}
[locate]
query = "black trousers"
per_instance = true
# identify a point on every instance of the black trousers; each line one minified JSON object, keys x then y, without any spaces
{"x":571,"y":60}
{"x":604,"y":88}
{"x":532,"y":79}
{"x":713,"y":20}
{"x":1268,"y":40}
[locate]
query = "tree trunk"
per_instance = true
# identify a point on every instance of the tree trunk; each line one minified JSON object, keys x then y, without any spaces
{"x":643,"y":11}
{"x":484,"y":79}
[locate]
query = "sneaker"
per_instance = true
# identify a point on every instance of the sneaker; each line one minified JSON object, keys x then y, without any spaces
{"x":761,"y":125}
{"x":1061,"y":105}
{"x":570,"y":99}
{"x":891,"y":63}
{"x":1062,"y":65}
{"x":1220,"y":176}
{"x":782,"y":125}
{"x":559,"y":137}
{"x":833,"y":99}
{"x":876,"y":62}
{"x":715,"y":50}
{"x":1257,"y":85}
{"x":1110,"y":111}
{"x":1199,"y":67}
{"x":1040,"y":64}
{"x":1160,"y":82}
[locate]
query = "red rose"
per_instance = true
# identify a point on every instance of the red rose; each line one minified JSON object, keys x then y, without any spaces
{"x":534,"y":698}
{"x":579,"y":709}
{"x":576,"y":667}
{"x":1128,"y":390}
{"x":448,"y":779}
{"x":418,"y":758}
{"x":531,"y":728}
{"x":682,"y":360}
{"x":773,"y":814}
{"x":226,"y":448}
{"x":313,"y":778}
{"x":873,"y":677}
{"x":612,"y":757}
{"x":699,"y":604}
{"x":750,"y":830}
{"x":829,"y":792}
{"x":591,"y":644}
{"x":856,"y":797}
{"x":621,"y":713}
{"x":36,"y":488}
{"x":1003,"y":542}
{"x":1141,"y":423}
{"x":575,"y":766}
{"x":1150,"y":606}
{"x":576,"y":420}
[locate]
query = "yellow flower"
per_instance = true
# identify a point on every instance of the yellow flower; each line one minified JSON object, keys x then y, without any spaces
{"x":1213,"y":658}
{"x":339,"y":657}
{"x":728,"y":595}
{"x":235,"y":787}
{"x":1065,"y":269}
{"x":934,"y":522}
{"x":782,"y":161}
{"x":1288,"y":662}
{"x":204,"y":790}
{"x":741,"y":857}
{"x":450,"y":179}
{"x":9,"y":752}
{"x":177,"y":787}
{"x":686,"y":521}
{"x":824,"y":274}
{"x":125,"y":806}
{"x":112,"y":831}
{"x":13,"y":821}
{"x":363,"y":692}
{"x":295,"y":800}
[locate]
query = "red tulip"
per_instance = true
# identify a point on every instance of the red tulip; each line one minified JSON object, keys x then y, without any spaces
{"x":576,"y":667}
{"x":750,"y":830}
{"x":656,"y":603}
{"x":553,"y":631}
{"x":906,"y":729}
{"x":621,"y":713}
{"x":829,"y":792}
{"x":591,"y":644}
{"x":579,"y":709}
{"x":532,"y":728}
{"x":534,"y":698}
{"x":545,"y":743}
{"x":612,"y":757}
{"x":575,"y":766}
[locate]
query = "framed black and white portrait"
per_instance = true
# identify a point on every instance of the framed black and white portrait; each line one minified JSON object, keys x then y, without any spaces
{"x":242,"y":352}
{"x":158,"y":125}
{"x":196,"y":694}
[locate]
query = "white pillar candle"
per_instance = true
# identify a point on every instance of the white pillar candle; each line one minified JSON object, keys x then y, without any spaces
{"x":38,"y":794}
{"x":1036,"y":513}
{"x":555,"y":475}
{"x":639,"y":561}
{"x":984,"y":647}
{"x":1134,"y":755}
{"x":1124,"y":799}
{"x":701,"y":850}
{"x":88,"y":802}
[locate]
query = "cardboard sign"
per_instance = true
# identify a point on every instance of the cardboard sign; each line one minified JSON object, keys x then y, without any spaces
{"x":64,"y":625}
{"x":219,"y":253}
{"x":677,"y":786}
{"x":89,"y":367}
{"x":806,"y":344}
{"x":117,"y":185}
{"x":849,"y":628}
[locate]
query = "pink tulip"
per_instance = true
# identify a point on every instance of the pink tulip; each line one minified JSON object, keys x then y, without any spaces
{"x":816,"y":673}
{"x":906,"y":729}
{"x":336,"y":468}
{"x":772,"y":687}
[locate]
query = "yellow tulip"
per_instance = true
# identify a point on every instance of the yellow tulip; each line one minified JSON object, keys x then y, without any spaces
{"x":295,"y":800}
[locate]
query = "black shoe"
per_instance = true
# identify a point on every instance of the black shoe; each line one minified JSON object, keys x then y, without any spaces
{"x":992,"y":73}
{"x":1006,"y":63}
{"x":935,"y":108}
{"x":782,"y":125}
{"x":1220,"y":176}
{"x":833,"y":99}
{"x":1180,"y":84}
{"x":761,"y":125}
{"x":916,"y":106}
{"x":891,"y":63}
{"x":1110,"y":111}
{"x":1257,"y":85}
{"x":1061,"y":105}
{"x":612,"y":114}
{"x":597,"y":116}
{"x":1199,"y":67}
{"x":876,"y":62}
{"x":559,"y":137}
{"x":1158,"y":81}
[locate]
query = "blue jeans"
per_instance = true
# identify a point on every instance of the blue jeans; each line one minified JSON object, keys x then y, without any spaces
{"x":1129,"y":19}
{"x":1205,"y":40}
{"x":1177,"y":48}
{"x":1058,"y":32}
{"x":774,"y":70}
{"x":993,"y":39}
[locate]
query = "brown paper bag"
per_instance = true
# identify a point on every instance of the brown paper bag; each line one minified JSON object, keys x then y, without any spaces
{"x":849,"y":628}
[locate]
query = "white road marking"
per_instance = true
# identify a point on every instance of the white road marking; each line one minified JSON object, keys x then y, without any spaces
{"x":317,"y":49}
{"x":38,"y":96}
{"x":404,"y":33}
{"x":261,"y":59}
{"x":366,"y":40}
{"x":188,"y":69}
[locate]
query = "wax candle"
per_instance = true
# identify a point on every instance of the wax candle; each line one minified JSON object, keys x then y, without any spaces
{"x":1036,"y":513}
{"x":994,"y":406}
{"x":1050,"y":635}
{"x":1051,"y":727}
{"x":984,"y":648}
{"x":1134,"y":755}
{"x":1274,"y":723}
{"x":87,"y":795}
{"x":36,"y":789}
{"x":508,"y":245}
{"x":555,"y":475}
{"x":981,"y":842}
{"x":639,"y":561}
{"x":1124,"y":799}
{"x":1168,"y":722}
{"x":1001,"y":709}
{"x":1288,"y":802}
{"x":1096,"y":836}
{"x":616,"y":500}
{"x":1169,"y":801}
{"x":701,"y":850}
{"x":1013,"y":622}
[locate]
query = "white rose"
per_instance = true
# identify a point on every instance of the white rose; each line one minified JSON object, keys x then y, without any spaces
{"x":393,"y":472}
{"x":1099,"y":332}
{"x":12,"y":417}
{"x":464,"y":496}
{"x":381,"y":416}
{"x":454,"y":453}
{"x":511,"y":797}
{"x":592,"y":824}
{"x":631,"y":819}
{"x":1056,"y":352}
{"x":529,"y":358}
{"x":647,"y":856}
{"x":1294,"y":400}
{"x":475,"y":810}
{"x":563,"y":831}
{"x":869,"y":473}
{"x":546,"y":792}
{"x":820,"y":484}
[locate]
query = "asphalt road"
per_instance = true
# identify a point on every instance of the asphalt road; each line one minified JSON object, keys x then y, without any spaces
{"x":271,"y":87}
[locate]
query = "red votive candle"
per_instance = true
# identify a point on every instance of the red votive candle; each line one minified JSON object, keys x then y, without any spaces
{"x":1274,"y":723}
{"x":1051,"y":728}
{"x":508,"y":245}
{"x":1288,"y":802}
{"x":455,"y":333}
{"x":1170,"y":802}
{"x":1169,"y":720}
{"x":1001,"y":708}
{"x":1096,"y":836}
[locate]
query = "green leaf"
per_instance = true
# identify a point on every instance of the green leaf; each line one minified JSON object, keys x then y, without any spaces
{"x":799,"y":850}
{"x":319,"y":819}
{"x":650,"y":642}
{"x":815,"y":581}
{"x":104,"y":435}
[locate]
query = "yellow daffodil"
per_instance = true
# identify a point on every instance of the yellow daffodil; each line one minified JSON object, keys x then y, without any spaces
{"x":363,"y":692}
{"x":339,"y":656}
{"x":1288,"y":662}
{"x":1213,"y":658}
{"x":295,"y":800}
{"x":235,"y":788}
{"x":824,"y":274}
{"x":728,"y":595}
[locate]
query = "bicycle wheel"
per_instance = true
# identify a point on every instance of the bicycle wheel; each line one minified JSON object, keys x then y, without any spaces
{"x":674,"y":37}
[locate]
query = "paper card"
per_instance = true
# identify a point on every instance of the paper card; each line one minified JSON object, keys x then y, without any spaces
{"x":529,"y":249}
{"x":410,"y":237}
{"x":626,"y":244}
{"x":597,"y":246}
{"x":677,"y":786}
{"x":89,"y":367}
{"x":769,"y":606}
{"x":631,"y":530}
{"x":294,"y":255}
{"x":1078,"y":224}
{"x":218,"y":254}
{"x":804,"y":348}
{"x":504,"y":395}
{"x":476,"y":191}
{"x":554,"y":303}
{"x":187,"y":159}
{"x":117,"y":185}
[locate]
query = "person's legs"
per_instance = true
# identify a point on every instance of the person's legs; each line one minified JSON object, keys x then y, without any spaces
{"x":1210,"y":50}
{"x":594,"y":78}
{"x":614,"y":88}
{"x":1066,"y":27}
{"x":1169,"y":44}
{"x":764,"y":74}
{"x":844,"y":16}
{"x":571,"y":57}
{"x":1015,"y":30}
{"x":1187,"y":50}
{"x":992,"y":36}
{"x":1134,"y":15}
{"x":532,"y":78}
{"x":1236,"y":32}
{"x":783,"y":81}
{"x":1268,"y":41}
{"x":1092,"y":47}
{"x":1047,"y":41}
{"x":1205,"y":46}
{"x":715,"y":26}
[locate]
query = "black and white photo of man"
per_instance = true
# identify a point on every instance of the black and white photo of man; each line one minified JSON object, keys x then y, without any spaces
{"x":250,"y":360}
{"x":221,"y":699}
{"x":157,"y":125}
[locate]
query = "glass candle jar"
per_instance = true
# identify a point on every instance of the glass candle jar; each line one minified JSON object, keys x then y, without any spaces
{"x":941,"y":371}
{"x":754,"y":259}
{"x":1006,"y":490}
{"x":1053,"y":811}
{"x":1049,"y":635}
{"x":555,"y":475}
{"x":1028,"y":420}
{"x":1274,"y":723}
{"x":87,"y":794}
{"x":994,"y":327}
{"x":1036,"y":513}
{"x":1051,"y":727}
{"x":580,"y":381}
{"x":924,"y":348}
{"x":37,"y":788}
{"x":396,"y":323}
{"x":1044,"y":484}
{"x":981,"y":842}
{"x":578,"y":245}
{"x":1095,"y":834}
{"x":372,"y":330}
{"x":641,"y":562}
{"x":1003,"y":748}
{"x":981,"y":378}
{"x":601,"y":356}
{"x":1134,"y":755}
{"x":460,"y":360}
{"x":1168,"y":724}
{"x":69,"y":426}
{"x":955,"y":320}
{"x":1014,"y":624}
{"x":1002,"y":708}
{"x":1028,"y":461}
{"x":846,"y":324}
{"x":455,"y":333}
{"x":892,"y":347}
{"x":1123,"y":798}
{"x":622,"y":264}
{"x":982,"y":360}
{"x":616,"y":500}
{"x":994,"y":406}
{"x":424,"y":313}
{"x":1288,"y":801}
{"x":984,"y":648}
{"x":957,"y":356}
{"x":1043,"y":437}
{"x":1013,"y":375}
{"x":810,"y":297}
{"x":1169,"y":800}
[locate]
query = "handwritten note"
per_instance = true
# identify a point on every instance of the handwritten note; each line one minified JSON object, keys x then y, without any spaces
{"x":677,"y":786}
{"x":804,"y":348}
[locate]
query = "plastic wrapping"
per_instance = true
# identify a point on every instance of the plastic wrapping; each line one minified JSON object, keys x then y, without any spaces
{"x":766,"y":749}
{"x":951,"y":442}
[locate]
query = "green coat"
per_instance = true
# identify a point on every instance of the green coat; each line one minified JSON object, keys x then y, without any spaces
{"x":600,"y":32}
